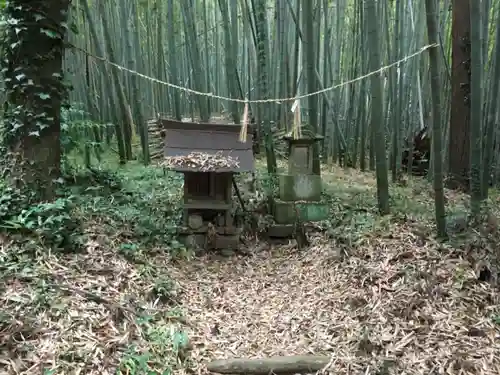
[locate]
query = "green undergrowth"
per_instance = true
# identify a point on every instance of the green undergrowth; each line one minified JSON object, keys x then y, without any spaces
{"x":137,"y":206}
{"x":354,"y":212}
{"x":126,"y":214}
{"x":352,"y":197}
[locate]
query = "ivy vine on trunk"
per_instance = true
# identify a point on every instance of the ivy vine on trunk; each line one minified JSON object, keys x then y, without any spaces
{"x":33,"y":47}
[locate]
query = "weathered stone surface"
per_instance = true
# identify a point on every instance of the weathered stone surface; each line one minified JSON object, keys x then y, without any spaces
{"x":227,"y":242}
{"x":300,"y":151}
{"x":300,"y":159}
{"x":195,"y":221}
{"x":280,"y":231}
{"x":195,"y":242}
{"x":286,"y":212}
{"x":300,"y":187}
{"x":227,"y":252}
{"x":314,"y":211}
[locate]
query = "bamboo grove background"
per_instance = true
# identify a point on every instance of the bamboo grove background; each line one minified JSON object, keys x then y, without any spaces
{"x":261,"y":49}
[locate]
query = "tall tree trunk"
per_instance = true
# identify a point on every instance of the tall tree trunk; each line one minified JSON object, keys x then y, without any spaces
{"x":377,"y":124}
{"x":434,"y":61}
{"x":459,"y":147}
{"x":476,"y":114}
{"x":33,"y":54}
{"x":263,"y":118}
{"x":492,"y":113}
{"x":310,"y":73}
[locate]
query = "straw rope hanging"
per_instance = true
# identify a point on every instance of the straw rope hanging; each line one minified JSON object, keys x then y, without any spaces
{"x":297,"y":126}
{"x":244,"y":124}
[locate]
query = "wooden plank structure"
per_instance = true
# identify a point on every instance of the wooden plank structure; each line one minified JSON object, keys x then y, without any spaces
{"x":208,"y":220}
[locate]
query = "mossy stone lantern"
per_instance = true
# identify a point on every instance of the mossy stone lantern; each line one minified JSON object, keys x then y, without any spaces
{"x":300,"y":189}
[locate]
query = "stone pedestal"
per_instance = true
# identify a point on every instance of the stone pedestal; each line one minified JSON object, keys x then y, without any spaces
{"x":287,"y":212}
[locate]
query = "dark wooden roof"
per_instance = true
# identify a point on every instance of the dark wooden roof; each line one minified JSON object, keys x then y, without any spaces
{"x":182,"y":138}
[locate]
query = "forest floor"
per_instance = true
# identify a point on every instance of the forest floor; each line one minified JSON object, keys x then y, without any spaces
{"x":378,"y":294}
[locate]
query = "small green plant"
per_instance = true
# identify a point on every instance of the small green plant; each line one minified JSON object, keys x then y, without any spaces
{"x":80,"y":135}
{"x":179,"y":251}
{"x":165,"y":289}
{"x":130,"y":251}
{"x":48,"y":223}
{"x":135,"y":363}
{"x":11,"y":201}
{"x":167,"y":348}
{"x":496,"y":319}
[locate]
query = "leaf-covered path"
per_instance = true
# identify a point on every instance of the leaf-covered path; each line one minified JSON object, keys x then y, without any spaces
{"x":393,"y":302}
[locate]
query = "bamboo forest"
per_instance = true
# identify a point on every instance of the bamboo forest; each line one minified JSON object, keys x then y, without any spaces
{"x":250,"y":187}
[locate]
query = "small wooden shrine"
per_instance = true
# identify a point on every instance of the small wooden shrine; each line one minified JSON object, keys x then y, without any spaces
{"x":208,"y":155}
{"x":299,"y":189}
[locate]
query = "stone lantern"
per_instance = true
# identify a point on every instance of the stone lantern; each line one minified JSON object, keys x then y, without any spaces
{"x":299,"y":189}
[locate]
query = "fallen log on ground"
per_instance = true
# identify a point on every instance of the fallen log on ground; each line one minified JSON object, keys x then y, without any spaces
{"x":264,"y":366}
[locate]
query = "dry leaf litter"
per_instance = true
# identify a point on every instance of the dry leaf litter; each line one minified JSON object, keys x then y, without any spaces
{"x":78,"y":312}
{"x":391,"y":304}
{"x":202,"y":161}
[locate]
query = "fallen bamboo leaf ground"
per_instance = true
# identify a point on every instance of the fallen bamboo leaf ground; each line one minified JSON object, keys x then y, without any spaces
{"x":378,"y":295}
{"x":392,"y":303}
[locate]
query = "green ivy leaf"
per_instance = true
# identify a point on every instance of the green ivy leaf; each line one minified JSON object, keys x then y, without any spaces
{"x":49,"y":33}
{"x":38,"y":17}
{"x":44,"y":96}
